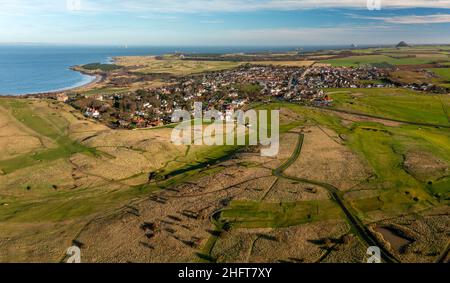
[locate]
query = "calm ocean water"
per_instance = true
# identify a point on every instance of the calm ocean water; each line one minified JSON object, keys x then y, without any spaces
{"x":29,"y":69}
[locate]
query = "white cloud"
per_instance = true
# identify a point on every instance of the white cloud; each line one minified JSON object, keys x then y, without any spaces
{"x":376,"y":34}
{"x":428,"y":19}
{"x":252,"y":5}
{"x":182,"y":6}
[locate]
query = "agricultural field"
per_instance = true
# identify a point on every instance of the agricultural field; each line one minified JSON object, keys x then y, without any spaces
{"x":354,"y":61}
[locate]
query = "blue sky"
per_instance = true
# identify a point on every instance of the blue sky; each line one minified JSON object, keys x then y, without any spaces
{"x":223,"y":22}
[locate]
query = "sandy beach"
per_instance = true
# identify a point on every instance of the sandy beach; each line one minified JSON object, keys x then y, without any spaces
{"x":96,"y":80}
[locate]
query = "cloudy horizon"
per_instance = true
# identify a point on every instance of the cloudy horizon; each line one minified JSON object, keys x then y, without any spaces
{"x":224,"y":22}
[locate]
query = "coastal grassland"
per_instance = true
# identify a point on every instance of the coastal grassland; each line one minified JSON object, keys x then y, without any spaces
{"x":354,"y":61}
{"x":151,"y":65}
{"x":101,"y":67}
{"x":48,"y":124}
{"x":80,"y":170}
{"x":398,"y":104}
{"x":386,"y":149}
{"x":104,"y":157}
{"x":253,"y":214}
{"x":399,"y":156}
{"x":16,"y":139}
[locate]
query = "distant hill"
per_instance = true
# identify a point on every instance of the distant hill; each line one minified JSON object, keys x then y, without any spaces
{"x":403,"y":44}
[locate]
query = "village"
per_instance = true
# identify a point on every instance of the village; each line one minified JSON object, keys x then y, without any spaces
{"x":225,"y":91}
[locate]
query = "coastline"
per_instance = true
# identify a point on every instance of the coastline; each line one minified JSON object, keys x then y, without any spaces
{"x":101,"y":77}
{"x":97,"y":78}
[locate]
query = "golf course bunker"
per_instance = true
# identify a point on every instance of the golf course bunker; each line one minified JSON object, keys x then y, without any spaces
{"x":390,"y":235}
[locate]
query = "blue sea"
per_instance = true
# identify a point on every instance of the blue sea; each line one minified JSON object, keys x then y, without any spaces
{"x":29,"y":69}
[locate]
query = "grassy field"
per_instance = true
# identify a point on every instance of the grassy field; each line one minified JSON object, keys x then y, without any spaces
{"x":396,"y":153}
{"x":43,"y":120}
{"x":149,"y":65}
{"x":252,"y":214}
{"x":408,"y":77}
{"x":444,"y":76}
{"x":353,"y":61}
{"x":61,"y":170}
{"x":101,"y":67}
{"x":47,"y":125}
{"x":444,"y":73}
{"x":67,"y":180}
{"x":395,"y":103}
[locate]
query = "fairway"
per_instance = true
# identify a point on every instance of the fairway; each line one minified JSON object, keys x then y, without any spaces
{"x":398,"y":104}
{"x":172,"y":66}
{"x":47,"y":125}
